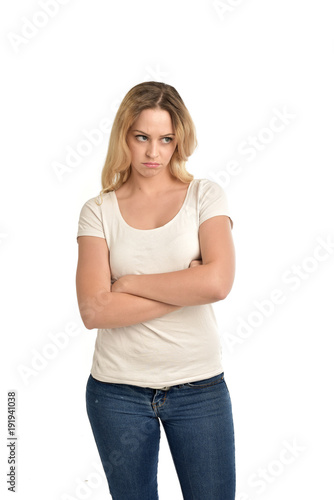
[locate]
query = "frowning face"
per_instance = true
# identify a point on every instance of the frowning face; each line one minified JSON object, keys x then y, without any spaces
{"x":151,"y":141}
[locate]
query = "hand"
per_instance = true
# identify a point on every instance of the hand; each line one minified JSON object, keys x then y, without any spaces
{"x":195,"y":263}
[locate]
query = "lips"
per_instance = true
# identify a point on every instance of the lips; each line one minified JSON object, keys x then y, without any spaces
{"x":151,"y":164}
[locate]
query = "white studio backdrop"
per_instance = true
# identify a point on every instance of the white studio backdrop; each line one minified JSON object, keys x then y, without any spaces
{"x":257,"y":78}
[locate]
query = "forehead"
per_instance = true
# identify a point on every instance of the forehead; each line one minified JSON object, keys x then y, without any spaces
{"x":154,"y":120}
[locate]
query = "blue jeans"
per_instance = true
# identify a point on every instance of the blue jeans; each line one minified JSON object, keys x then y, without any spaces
{"x":198,"y":423}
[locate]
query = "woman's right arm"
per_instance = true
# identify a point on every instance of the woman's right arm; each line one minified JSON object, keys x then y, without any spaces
{"x":98,"y":306}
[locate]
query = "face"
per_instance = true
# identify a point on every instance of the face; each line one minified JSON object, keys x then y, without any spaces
{"x":151,"y":141}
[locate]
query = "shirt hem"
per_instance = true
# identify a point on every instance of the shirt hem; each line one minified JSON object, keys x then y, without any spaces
{"x":161,"y":385}
{"x":90,"y":233}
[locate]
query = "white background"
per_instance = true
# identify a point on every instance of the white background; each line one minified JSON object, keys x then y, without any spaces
{"x":236,"y":64}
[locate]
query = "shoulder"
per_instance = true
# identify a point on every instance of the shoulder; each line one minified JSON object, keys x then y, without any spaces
{"x":209,"y":188}
{"x":212,"y":200}
{"x":208,"y":182}
{"x":95,"y":203}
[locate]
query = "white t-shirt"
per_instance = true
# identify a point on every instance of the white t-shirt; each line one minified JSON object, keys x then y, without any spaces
{"x":181,"y":346}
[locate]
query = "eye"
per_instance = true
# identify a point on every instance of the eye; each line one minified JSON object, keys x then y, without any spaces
{"x":168,"y":138}
{"x":139,"y":137}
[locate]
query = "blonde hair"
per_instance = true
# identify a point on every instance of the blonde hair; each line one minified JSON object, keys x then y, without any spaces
{"x":148,"y":95}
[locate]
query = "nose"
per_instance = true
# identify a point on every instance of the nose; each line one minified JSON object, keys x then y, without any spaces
{"x":152,"y":150}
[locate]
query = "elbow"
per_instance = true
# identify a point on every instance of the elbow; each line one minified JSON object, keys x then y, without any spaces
{"x":220,"y":294}
{"x":94,"y":321}
{"x":221,"y":281}
{"x":222,"y":290}
{"x":89,"y":319}
{"x":89,"y":326}
{"x":224,"y":280}
{"x":91,"y":309}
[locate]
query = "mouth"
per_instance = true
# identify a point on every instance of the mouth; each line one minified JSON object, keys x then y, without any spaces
{"x":151,"y":164}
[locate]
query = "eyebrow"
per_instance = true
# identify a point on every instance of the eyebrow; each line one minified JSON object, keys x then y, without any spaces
{"x":148,"y":135}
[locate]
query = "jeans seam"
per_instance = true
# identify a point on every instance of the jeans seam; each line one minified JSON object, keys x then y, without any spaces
{"x":156,"y":406}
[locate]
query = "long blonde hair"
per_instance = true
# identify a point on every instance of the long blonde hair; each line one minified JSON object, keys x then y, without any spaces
{"x":148,"y":95}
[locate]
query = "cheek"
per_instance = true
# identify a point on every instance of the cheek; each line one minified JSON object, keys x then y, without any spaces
{"x":172,"y":149}
{"x":133,"y":148}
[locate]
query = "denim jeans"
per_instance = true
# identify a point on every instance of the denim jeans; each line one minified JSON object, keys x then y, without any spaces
{"x":198,"y":423}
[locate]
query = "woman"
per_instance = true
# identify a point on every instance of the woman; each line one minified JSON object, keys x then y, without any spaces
{"x":155,"y":251}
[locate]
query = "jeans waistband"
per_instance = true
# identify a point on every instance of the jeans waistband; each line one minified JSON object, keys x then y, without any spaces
{"x":211,"y":379}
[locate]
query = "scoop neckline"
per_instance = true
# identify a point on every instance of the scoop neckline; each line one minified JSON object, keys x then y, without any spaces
{"x":155,"y":228}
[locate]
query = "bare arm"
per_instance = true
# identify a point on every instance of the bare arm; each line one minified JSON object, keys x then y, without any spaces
{"x":197,"y":285}
{"x":113,"y":310}
{"x":99,"y":306}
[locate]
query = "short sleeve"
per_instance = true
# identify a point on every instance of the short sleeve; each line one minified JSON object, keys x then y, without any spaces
{"x":90,"y":220}
{"x":212,"y":201}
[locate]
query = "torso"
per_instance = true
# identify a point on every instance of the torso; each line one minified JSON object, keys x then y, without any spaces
{"x":143,"y":213}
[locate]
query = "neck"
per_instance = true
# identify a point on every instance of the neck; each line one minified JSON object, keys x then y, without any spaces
{"x":151,"y":186}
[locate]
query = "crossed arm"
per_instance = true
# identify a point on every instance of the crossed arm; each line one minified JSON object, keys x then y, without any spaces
{"x":136,"y":298}
{"x":201,"y":284}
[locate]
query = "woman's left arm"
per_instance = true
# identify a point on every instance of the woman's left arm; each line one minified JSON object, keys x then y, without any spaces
{"x":201,"y":284}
